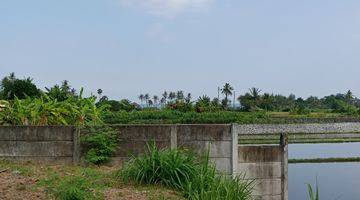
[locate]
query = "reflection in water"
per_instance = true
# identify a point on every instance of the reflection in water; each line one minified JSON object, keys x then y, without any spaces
{"x":337,"y":181}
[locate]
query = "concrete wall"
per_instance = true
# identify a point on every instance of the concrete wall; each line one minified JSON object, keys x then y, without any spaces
{"x":62,"y":144}
{"x":40,"y":143}
{"x":267,"y":166}
{"x":199,"y":138}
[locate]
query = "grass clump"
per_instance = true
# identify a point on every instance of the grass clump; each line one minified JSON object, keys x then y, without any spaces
{"x":313,"y":195}
{"x":73,"y":188}
{"x":195,"y":179}
{"x":79,"y":184}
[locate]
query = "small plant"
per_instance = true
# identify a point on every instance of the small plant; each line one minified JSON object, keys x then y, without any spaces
{"x":313,"y":195}
{"x":70,"y":188}
{"x":100,"y":143}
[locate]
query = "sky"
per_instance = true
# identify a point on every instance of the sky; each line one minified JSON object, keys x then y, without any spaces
{"x":130,"y":47}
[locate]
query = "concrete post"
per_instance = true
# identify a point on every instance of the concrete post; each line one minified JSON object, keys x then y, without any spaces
{"x":76,"y":145}
{"x":173,"y":137}
{"x":284,"y":166}
{"x":234,"y":150}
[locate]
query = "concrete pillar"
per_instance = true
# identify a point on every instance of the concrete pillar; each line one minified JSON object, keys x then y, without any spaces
{"x":234,"y":150}
{"x":284,"y":166}
{"x":76,"y":145}
{"x":173,"y":137}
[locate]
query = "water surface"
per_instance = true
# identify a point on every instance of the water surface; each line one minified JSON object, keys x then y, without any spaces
{"x":337,"y":181}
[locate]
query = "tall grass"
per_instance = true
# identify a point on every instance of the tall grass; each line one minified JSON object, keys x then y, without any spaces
{"x":196,"y":179}
{"x":313,"y":195}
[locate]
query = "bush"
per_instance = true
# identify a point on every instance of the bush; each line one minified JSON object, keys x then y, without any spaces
{"x":179,"y":169}
{"x":100,"y":143}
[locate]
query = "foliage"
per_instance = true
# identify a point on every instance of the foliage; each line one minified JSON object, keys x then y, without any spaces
{"x":100,"y":143}
{"x":167,"y":167}
{"x":73,"y":188}
{"x":61,"y":93}
{"x":47,"y":111}
{"x":80,"y":184}
{"x":173,"y":117}
{"x":181,"y":170}
{"x":313,"y":195}
{"x":12,"y":87}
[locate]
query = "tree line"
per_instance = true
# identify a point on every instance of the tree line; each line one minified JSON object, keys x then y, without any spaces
{"x":12,"y":87}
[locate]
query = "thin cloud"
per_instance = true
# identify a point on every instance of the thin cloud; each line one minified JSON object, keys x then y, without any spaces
{"x":168,"y":8}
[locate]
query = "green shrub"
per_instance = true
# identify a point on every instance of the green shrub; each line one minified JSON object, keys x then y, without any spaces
{"x":100,"y":143}
{"x":180,"y":169}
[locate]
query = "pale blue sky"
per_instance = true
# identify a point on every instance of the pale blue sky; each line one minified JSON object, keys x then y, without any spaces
{"x":128,"y":47}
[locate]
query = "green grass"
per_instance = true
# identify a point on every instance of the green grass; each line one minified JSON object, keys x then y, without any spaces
{"x":66,"y":182}
{"x":195,"y":179}
{"x":313,"y":195}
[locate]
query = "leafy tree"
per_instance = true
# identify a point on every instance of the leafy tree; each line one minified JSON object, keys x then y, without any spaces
{"x":12,"y":87}
{"x":63,"y":92}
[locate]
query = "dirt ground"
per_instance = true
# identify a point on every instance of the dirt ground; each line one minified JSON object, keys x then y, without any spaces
{"x":14,"y":186}
{"x":20,"y":181}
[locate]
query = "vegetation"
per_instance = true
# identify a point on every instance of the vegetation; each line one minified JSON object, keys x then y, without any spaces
{"x":169,"y":116}
{"x":325,"y":160}
{"x":22,"y":103}
{"x":48,"y":111}
{"x":24,"y":180}
{"x":100,"y":143}
{"x":12,"y":87}
{"x":181,"y":170}
{"x":313,"y":195}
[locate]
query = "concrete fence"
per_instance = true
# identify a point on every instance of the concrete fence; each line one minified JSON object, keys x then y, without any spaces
{"x":267,"y":164}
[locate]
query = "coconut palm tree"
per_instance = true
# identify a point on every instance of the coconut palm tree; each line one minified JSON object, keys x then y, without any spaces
{"x":255,"y":93}
{"x":227,"y":90}
{"x":155,"y":98}
{"x":165,"y":95}
{"x":163,"y":101}
{"x":180,"y":95}
{"x":172,"y":96}
{"x":150,"y":102}
{"x":188,"y":98}
{"x":147,"y":98}
{"x":349,"y":96}
{"x":142,"y":98}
